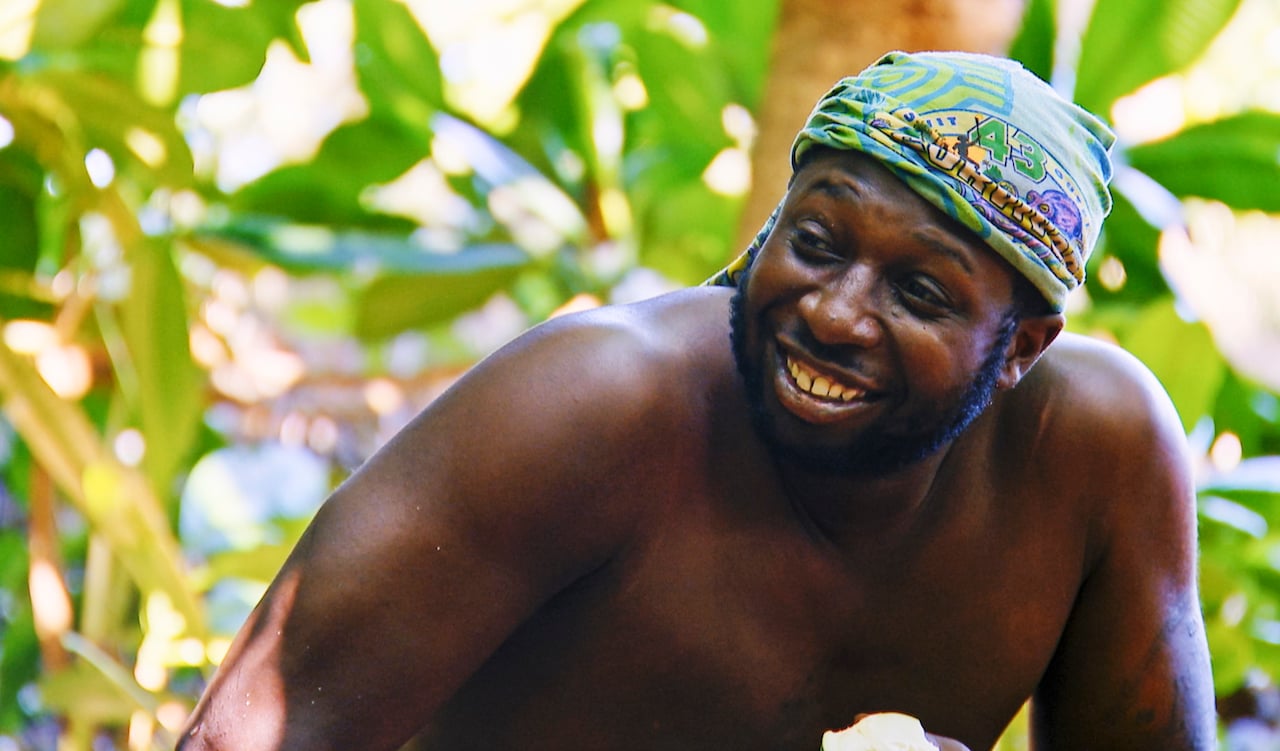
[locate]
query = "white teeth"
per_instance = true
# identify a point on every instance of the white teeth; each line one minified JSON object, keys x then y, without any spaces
{"x":821,"y":385}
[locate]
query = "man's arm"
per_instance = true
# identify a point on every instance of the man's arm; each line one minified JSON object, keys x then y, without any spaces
{"x":1132,"y":670}
{"x":429,"y":556}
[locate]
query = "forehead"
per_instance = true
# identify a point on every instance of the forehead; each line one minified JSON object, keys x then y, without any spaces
{"x":866,"y":178}
{"x":855,"y":180}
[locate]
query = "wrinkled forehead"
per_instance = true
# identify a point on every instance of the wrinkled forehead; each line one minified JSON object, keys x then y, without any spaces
{"x":852,"y":175}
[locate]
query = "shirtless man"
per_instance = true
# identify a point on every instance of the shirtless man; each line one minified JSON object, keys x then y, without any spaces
{"x":734,"y":517}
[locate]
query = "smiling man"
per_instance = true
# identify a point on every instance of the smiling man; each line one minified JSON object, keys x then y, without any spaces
{"x":739,"y":516}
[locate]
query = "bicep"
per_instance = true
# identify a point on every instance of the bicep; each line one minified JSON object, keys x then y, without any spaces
{"x":1132,"y":672}
{"x":1132,"y":668}
{"x":414,"y":572}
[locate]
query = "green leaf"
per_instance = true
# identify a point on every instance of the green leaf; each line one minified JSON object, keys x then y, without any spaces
{"x":170,"y":398}
{"x":364,"y":255}
{"x":736,"y":33}
{"x":1181,"y":354}
{"x":687,"y":95}
{"x":397,"y":67}
{"x":1235,"y":160}
{"x":83,"y":692}
{"x":62,"y":24}
{"x":20,"y":183}
{"x":392,"y":304}
{"x":115,"y":500}
{"x":547,"y":134}
{"x":112,"y":114}
{"x":327,"y":189}
{"x":1033,"y":46}
{"x":1130,"y":239}
{"x":687,"y":230}
{"x":19,"y":648}
{"x":1131,"y":42}
{"x":225,"y":47}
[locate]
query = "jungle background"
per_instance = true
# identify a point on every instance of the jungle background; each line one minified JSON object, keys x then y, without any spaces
{"x":241,"y":243}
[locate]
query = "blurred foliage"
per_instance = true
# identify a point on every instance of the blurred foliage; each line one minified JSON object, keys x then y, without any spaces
{"x":182,"y":330}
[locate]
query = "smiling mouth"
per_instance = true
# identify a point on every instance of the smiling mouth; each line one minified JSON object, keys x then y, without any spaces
{"x":821,"y":385}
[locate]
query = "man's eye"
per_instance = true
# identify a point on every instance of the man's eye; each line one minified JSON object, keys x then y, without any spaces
{"x":810,"y":243}
{"x":922,"y":296}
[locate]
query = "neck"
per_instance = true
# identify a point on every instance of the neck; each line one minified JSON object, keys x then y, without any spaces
{"x":849,"y":508}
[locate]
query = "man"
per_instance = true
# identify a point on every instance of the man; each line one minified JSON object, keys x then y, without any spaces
{"x":738,"y":517}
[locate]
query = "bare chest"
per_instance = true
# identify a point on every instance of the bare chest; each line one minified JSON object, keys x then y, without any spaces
{"x":717,"y":630}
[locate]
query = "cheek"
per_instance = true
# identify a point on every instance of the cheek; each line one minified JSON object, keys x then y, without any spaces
{"x":936,"y":366}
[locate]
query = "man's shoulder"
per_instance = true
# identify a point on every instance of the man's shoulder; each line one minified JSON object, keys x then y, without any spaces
{"x":613,"y":368}
{"x":1105,"y":408}
{"x":1100,"y":381}
{"x":625,"y":346}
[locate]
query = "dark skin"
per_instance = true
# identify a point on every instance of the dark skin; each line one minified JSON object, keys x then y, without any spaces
{"x":587,"y":544}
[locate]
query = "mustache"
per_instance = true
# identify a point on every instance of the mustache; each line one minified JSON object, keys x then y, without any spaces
{"x":847,"y":357}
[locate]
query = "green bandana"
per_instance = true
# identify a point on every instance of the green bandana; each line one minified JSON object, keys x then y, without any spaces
{"x":986,"y":142}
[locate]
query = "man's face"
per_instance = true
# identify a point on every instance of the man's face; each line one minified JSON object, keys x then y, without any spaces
{"x":872,"y":328}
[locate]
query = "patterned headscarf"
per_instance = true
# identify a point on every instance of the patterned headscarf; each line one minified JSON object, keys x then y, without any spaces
{"x":986,"y":142}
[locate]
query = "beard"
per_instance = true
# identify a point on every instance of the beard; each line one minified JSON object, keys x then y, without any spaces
{"x":876,"y":452}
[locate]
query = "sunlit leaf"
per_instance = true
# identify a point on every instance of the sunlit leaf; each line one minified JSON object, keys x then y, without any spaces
{"x":736,"y":33}
{"x":1233,"y":657}
{"x":392,"y":304}
{"x":1248,"y":411}
{"x":224,"y":47}
{"x":1235,"y":160}
{"x":327,"y":189}
{"x":19,"y":648}
{"x":1129,"y":239}
{"x":170,"y":398}
{"x":687,"y":95}
{"x":397,"y":67}
{"x":551,"y":138}
{"x":304,"y":249}
{"x":1131,"y":42}
{"x":1181,"y":354}
{"x":116,"y":501}
{"x":82,"y":692}
{"x":687,"y":230}
{"x":1033,"y":46}
{"x":67,"y":23}
{"x":113,"y":115}
{"x":260,"y":563}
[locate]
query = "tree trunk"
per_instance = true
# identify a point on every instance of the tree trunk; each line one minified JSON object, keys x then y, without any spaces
{"x":820,"y":41}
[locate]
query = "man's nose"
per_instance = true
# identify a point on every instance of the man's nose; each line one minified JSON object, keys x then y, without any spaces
{"x":845,"y":310}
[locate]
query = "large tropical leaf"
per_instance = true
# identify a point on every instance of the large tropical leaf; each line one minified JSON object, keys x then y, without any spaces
{"x":170,"y":387}
{"x":1036,"y":38}
{"x":94,"y":109}
{"x":1181,"y":354}
{"x":224,"y":47}
{"x":327,"y":189}
{"x":1235,"y":160}
{"x":736,"y":33}
{"x":396,"y":65}
{"x":1130,"y":239}
{"x":392,"y":304}
{"x":116,"y":500}
{"x":21,"y":180}
{"x":1131,"y":42}
{"x":63,"y":24}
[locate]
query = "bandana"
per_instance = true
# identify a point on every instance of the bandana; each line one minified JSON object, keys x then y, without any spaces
{"x":986,"y":142}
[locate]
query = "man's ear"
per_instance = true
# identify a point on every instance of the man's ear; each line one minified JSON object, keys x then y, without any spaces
{"x":1032,"y":337}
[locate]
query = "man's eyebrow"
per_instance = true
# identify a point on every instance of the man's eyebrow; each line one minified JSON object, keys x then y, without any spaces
{"x":945,"y":248}
{"x":840,"y":190}
{"x":844,"y":190}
